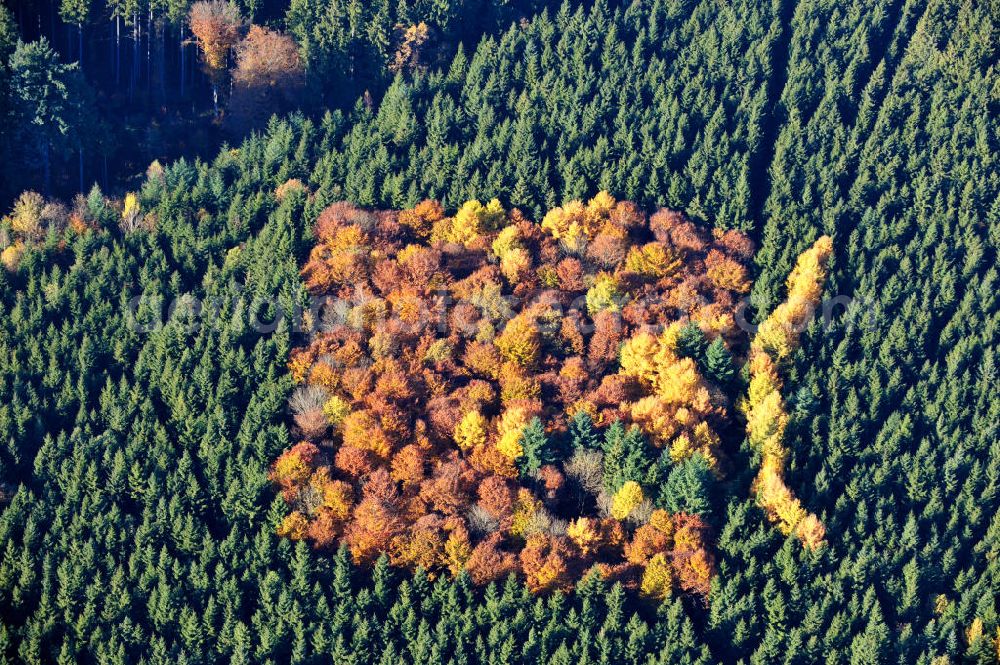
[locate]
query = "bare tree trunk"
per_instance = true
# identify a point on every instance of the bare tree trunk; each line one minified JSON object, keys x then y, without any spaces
{"x":180,"y":31}
{"x":149,"y":43}
{"x":79,"y":30}
{"x":134,"y":69}
{"x":81,"y":168}
{"x":161,"y":59}
{"x":118,"y":49}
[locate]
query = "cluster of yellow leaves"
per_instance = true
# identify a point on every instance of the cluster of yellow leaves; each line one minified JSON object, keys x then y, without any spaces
{"x":336,"y":409}
{"x":515,"y":259}
{"x":575,"y":223}
{"x":25,"y":218}
{"x":433,"y":546}
{"x":653,"y":260}
{"x":299,"y":366}
{"x":657,"y":578}
{"x":407,"y":56}
{"x":471,"y":431}
{"x":472,"y":221}
{"x":605,"y":294}
{"x":764,"y":406}
{"x":131,"y":209}
{"x":25,"y":222}
{"x":778,"y":335}
{"x":526,"y":507}
{"x":10,"y":257}
{"x":507,"y":241}
{"x":294,"y":526}
{"x":585,"y":532}
{"x":292,"y":468}
{"x":510,"y":430}
{"x":626,"y":499}
{"x":362,"y":430}
{"x":679,"y":401}
{"x":520,"y":342}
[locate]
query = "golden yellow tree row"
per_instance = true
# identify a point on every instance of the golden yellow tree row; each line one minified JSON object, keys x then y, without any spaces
{"x":767,"y":417}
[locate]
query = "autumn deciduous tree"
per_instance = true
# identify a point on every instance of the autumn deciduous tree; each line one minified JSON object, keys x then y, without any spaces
{"x":488,"y":562}
{"x":626,"y":500}
{"x":377,"y":519}
{"x":520,"y":342}
{"x":407,"y":55}
{"x":692,"y":562}
{"x":216,"y":26}
{"x":546,"y":562}
{"x":292,"y":469}
{"x":471,"y":431}
{"x":267,"y":78}
{"x":657,"y":577}
{"x":496,"y":496}
{"x":647,"y":541}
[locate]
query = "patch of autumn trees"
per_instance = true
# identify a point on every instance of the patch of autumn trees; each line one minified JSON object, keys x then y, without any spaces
{"x":268,"y":73}
{"x":487,"y":394}
{"x":35,"y":220}
{"x":767,"y":417}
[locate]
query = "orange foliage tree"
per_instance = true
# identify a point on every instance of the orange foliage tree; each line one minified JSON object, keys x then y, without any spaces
{"x":216,"y":26}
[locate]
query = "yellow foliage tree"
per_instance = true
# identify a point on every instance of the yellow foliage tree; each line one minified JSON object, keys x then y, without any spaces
{"x":515,"y":264}
{"x":130,"y":209}
{"x":10,"y":258}
{"x":638,"y":358}
{"x":26,"y":216}
{"x":626,"y":499}
{"x":457,"y":551}
{"x":336,"y":409}
{"x":294,"y":526}
{"x":605,"y":294}
{"x":506,"y":241}
{"x":657,"y":578}
{"x":653,"y":260}
{"x":585,"y":533}
{"x":661,"y":520}
{"x":472,"y":220}
{"x":778,"y":334}
{"x":520,"y":342}
{"x":471,"y":431}
{"x":526,"y":506}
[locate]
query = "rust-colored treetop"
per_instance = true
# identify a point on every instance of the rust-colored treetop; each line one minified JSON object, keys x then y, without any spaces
{"x":216,"y":26}
{"x":451,"y":394}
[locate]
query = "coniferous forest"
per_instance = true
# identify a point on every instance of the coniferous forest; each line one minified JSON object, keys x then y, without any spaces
{"x":499,"y":331}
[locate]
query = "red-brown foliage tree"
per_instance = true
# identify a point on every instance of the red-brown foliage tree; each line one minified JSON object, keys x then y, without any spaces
{"x":267,"y":78}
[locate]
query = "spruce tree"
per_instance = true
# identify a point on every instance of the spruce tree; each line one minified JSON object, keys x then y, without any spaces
{"x":719,"y":368}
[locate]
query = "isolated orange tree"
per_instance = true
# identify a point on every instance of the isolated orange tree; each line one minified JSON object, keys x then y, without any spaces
{"x":216,"y":26}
